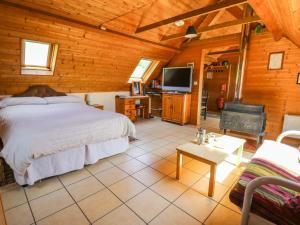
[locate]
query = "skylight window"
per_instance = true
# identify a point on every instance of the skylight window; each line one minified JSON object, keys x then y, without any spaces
{"x":38,"y":58}
{"x":143,"y":70}
{"x":36,"y":54}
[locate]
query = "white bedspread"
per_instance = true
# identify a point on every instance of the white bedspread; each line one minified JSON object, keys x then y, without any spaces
{"x":31,"y":131}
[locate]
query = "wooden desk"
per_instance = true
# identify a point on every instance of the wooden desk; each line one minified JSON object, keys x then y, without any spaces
{"x":126,"y":105}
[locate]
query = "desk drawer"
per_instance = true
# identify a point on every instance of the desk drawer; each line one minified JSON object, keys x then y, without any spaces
{"x":129,"y":102}
{"x":130,"y":112}
{"x":129,"y":107}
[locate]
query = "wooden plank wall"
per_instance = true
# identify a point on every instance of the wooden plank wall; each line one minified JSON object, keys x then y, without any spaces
{"x":277,"y":89}
{"x":89,"y":60}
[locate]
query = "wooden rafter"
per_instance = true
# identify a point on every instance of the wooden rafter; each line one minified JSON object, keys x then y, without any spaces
{"x":264,"y":10}
{"x":235,"y":11}
{"x":227,"y":40}
{"x":197,"y":12}
{"x":246,"y":20}
{"x":230,"y":51}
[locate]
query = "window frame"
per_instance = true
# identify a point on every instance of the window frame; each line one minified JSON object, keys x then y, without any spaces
{"x":39,"y":70}
{"x":147,"y":73}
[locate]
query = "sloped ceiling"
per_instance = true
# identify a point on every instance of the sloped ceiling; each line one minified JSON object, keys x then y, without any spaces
{"x":126,"y":16}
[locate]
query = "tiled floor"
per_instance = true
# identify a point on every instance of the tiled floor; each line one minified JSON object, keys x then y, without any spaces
{"x":133,"y":188}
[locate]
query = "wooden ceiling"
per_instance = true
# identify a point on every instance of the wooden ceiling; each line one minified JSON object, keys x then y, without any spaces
{"x":126,"y":16}
{"x":130,"y":17}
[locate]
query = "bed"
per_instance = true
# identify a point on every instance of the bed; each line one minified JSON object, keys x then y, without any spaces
{"x":47,"y":133}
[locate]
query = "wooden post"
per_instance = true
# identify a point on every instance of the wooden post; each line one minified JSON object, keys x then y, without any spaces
{"x":243,"y":55}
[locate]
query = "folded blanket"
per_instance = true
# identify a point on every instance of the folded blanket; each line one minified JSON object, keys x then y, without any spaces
{"x":272,"y":202}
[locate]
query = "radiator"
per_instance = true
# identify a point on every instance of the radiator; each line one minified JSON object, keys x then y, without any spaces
{"x":291,"y":122}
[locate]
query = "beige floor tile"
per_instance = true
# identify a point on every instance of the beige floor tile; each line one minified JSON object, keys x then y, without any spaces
{"x":84,"y":188}
{"x":161,"y":142}
{"x":202,"y":187}
{"x":164,"y":152}
{"x":149,"y":158}
{"x":188,"y":177}
{"x":223,"y":216}
{"x":14,"y":197}
{"x":173,"y":158}
{"x":120,"y":158}
{"x":164,"y":166}
{"x":99,"y":166}
{"x":196,"y":204}
{"x":169,"y":188}
{"x":174,"y":216}
{"x":72,"y":177}
{"x":51,"y":203}
{"x":69,"y":216}
{"x":99,"y":204}
{"x":136,"y":151}
{"x":122,"y":215}
{"x":147,"y":204}
{"x":111,"y":176}
{"x":44,"y":187}
{"x":20,"y":215}
{"x":150,"y":146}
{"x":226,"y":202}
{"x":198,"y":167}
{"x":132,"y":166}
{"x":148,"y":176}
{"x":127,"y":188}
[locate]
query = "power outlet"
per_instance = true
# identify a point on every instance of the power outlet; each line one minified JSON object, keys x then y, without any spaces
{"x":195,"y":83}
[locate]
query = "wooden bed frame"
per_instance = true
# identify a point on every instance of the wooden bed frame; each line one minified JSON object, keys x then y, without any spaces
{"x":40,"y":91}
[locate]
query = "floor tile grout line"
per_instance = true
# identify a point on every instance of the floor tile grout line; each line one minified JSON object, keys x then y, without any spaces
{"x":74,"y":200}
{"x":31,"y":211}
{"x":107,"y":187}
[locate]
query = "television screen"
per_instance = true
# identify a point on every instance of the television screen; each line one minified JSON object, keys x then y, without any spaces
{"x":177,"y":79}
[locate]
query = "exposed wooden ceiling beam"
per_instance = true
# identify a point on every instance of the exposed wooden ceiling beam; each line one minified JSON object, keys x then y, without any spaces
{"x":230,"y":51}
{"x":85,"y":24}
{"x":235,"y":11}
{"x":227,"y":40}
{"x":197,"y":12}
{"x":264,"y":10}
{"x":247,"y":20}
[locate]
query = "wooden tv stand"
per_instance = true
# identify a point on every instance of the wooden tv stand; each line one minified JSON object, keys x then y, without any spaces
{"x":176,"y":107}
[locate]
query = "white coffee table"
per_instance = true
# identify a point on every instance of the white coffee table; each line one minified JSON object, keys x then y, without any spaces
{"x":211,"y":154}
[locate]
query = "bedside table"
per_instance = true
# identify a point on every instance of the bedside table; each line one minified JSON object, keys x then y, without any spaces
{"x":98,"y":106}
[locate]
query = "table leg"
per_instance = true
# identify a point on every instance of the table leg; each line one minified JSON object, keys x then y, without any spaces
{"x":212,"y":178}
{"x":179,"y":165}
{"x":240,"y":154}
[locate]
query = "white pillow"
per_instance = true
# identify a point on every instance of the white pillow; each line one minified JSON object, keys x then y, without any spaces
{"x":11,"y":101}
{"x":63,"y":99}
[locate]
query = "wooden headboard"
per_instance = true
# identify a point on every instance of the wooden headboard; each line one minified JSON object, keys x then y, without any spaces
{"x":39,"y":91}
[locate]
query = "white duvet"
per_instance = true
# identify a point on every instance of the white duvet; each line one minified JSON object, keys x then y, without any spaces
{"x":31,"y":131}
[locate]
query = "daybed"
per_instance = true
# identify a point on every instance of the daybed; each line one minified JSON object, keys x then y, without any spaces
{"x":268,"y":191}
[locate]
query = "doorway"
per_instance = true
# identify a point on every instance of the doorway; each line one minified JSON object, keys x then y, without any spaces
{"x":218,"y":83}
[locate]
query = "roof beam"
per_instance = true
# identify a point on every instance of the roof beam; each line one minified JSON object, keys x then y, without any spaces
{"x":246,"y":20}
{"x":264,"y":10}
{"x":227,"y":40}
{"x":197,"y":12}
{"x":236,"y":12}
{"x":230,"y":51}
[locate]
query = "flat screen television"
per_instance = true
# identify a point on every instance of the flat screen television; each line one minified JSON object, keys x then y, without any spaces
{"x":177,"y":79}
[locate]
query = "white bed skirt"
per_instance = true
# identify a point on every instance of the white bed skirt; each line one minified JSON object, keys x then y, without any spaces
{"x":72,"y":159}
